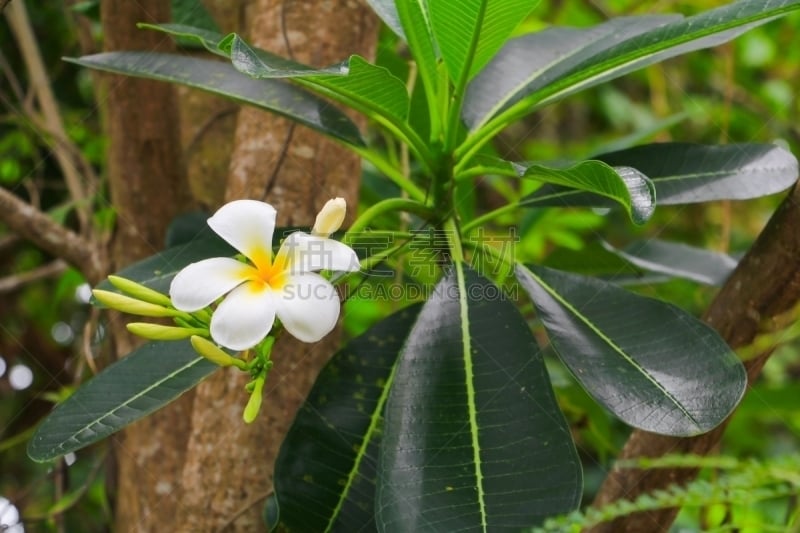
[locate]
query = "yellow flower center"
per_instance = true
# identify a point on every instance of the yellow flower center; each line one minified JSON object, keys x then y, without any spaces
{"x":272,"y":274}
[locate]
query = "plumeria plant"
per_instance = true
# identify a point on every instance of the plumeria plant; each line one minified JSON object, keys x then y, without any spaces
{"x":441,"y":417}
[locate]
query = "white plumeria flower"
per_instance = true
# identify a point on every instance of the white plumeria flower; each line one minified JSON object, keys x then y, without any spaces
{"x":283,"y":286}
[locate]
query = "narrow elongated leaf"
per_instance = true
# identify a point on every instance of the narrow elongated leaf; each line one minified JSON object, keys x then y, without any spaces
{"x":144,"y":381}
{"x":219,"y":78}
{"x":679,"y":260}
{"x":531,"y":61}
{"x":623,"y":185}
{"x":325,"y":471}
{"x":688,"y":173}
{"x":685,"y":173}
{"x":473,"y":438}
{"x":470,"y":32}
{"x":366,"y":87}
{"x":650,"y":363}
{"x":574,"y":72}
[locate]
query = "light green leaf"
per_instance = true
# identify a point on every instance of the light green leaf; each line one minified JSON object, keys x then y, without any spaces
{"x":473,"y":438}
{"x":387,"y":11}
{"x":222,"y":79}
{"x":325,"y":471}
{"x":416,"y":22}
{"x":624,"y":185}
{"x":366,"y":87}
{"x":470,"y":32}
{"x":132,"y":388}
{"x":650,"y":363}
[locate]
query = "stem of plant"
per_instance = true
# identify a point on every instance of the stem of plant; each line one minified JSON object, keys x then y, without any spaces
{"x":387,"y":206}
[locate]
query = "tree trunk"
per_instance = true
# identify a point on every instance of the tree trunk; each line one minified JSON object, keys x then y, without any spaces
{"x":195,"y":466}
{"x":148,"y":188}
{"x":228,"y":470}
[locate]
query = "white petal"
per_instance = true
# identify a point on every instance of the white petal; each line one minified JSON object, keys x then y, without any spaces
{"x":307,"y":253}
{"x":244,"y":317}
{"x":309,"y":307}
{"x":199,"y":284}
{"x":330,"y":218}
{"x":247,"y":225}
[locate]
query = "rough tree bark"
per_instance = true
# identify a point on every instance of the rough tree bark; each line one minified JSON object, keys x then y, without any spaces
{"x":765,"y":285}
{"x":195,"y":466}
{"x":296,"y":170}
{"x":148,"y":188}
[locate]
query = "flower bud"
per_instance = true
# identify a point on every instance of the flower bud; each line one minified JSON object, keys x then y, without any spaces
{"x":330,"y":218}
{"x":254,"y":403}
{"x":214,"y":353}
{"x":139,"y":291}
{"x":126,"y":304}
{"x":157,"y":332}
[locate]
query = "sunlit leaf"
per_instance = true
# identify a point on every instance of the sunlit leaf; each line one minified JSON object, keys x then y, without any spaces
{"x":650,"y":363}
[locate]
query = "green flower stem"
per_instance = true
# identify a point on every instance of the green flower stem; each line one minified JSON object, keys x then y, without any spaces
{"x":482,"y":170}
{"x":391,"y":172}
{"x":486,"y":217}
{"x":387,"y":206}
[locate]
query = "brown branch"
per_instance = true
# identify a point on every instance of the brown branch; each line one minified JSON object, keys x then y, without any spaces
{"x":17,"y":281}
{"x":765,"y":285}
{"x":32,"y":224}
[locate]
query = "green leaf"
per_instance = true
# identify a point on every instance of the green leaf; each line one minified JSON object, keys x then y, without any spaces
{"x":222,"y":79}
{"x":473,"y":437}
{"x":532,"y":61}
{"x":192,"y":12}
{"x":596,"y":61}
{"x":678,"y":260}
{"x":623,"y":185}
{"x":470,"y":32}
{"x":685,"y":173}
{"x":366,"y":87}
{"x":650,"y":363}
{"x":144,"y":381}
{"x":688,"y":173}
{"x":417,"y":25}
{"x":325,"y":471}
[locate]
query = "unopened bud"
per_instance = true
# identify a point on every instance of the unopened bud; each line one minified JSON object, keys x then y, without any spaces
{"x":157,"y":332}
{"x":330,"y":218}
{"x":139,"y":291}
{"x":126,"y":304}
{"x":214,"y":353}
{"x":254,"y":403}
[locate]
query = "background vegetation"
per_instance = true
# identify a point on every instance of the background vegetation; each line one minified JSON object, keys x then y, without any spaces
{"x":741,"y":92}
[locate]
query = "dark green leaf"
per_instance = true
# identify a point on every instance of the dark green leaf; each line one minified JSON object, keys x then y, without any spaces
{"x":473,"y":437}
{"x":685,"y":173}
{"x":530,"y":62}
{"x":144,"y":381}
{"x":623,"y":185}
{"x":600,"y":57}
{"x":325,"y":472}
{"x":650,"y":363}
{"x":679,"y":260}
{"x":688,"y":173}
{"x":194,"y":13}
{"x":220,"y":78}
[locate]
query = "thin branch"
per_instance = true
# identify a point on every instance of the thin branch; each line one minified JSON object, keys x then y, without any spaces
{"x":32,"y":224}
{"x":17,"y":281}
{"x":21,"y":27}
{"x":764,"y":286}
